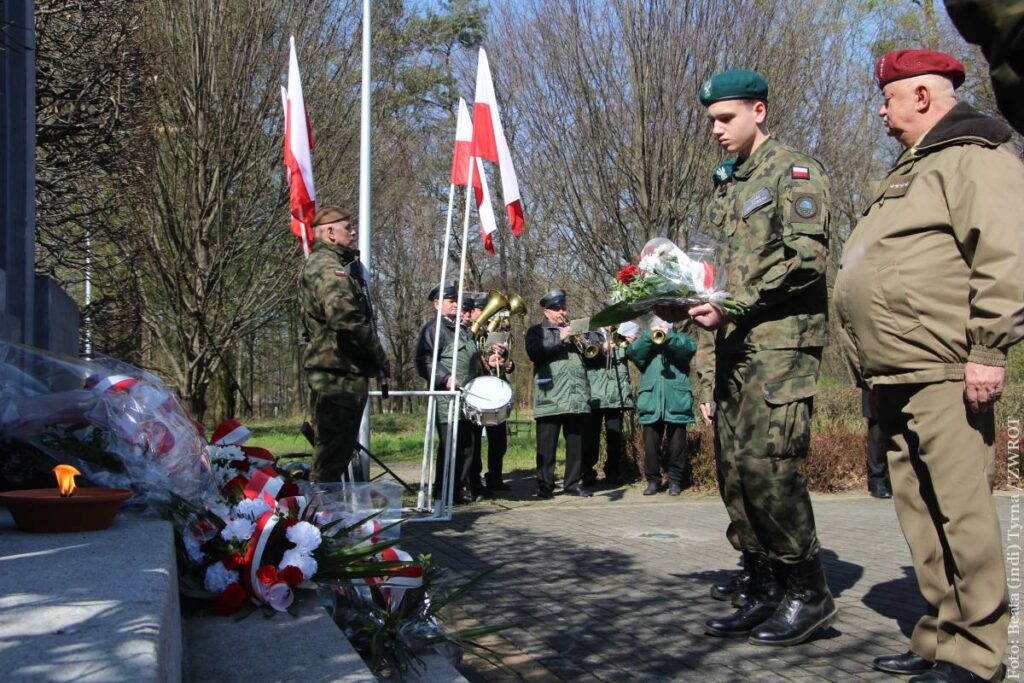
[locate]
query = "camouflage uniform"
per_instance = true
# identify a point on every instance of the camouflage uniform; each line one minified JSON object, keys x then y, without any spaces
{"x":342,"y":353}
{"x":774,"y":248}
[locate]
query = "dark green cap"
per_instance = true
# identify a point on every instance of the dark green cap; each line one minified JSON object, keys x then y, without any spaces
{"x":736,"y":84}
{"x":723,"y":172}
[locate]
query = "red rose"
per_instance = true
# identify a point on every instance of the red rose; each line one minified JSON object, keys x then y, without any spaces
{"x":267,"y":574}
{"x":290,"y":488}
{"x":232,"y":598}
{"x":291,"y":575}
{"x":627,"y":274}
{"x":233,"y":561}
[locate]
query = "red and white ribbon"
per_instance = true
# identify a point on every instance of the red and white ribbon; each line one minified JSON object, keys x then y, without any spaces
{"x":264,"y":483}
{"x":117,"y":383}
{"x":230,"y":432}
{"x":396,"y":584}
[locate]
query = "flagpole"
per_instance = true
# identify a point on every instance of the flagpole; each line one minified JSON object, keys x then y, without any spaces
{"x":365,"y":228}
{"x":425,"y":497}
{"x":449,"y":469}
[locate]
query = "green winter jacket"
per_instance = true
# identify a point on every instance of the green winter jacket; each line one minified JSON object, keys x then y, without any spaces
{"x":609,"y":381}
{"x":561,"y":380}
{"x":665,"y":393}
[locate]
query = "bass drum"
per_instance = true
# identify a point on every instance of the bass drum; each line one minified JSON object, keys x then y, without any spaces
{"x":487,"y":401}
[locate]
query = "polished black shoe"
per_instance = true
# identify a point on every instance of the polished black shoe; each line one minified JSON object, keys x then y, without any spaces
{"x":766,"y":591}
{"x":907,"y":663}
{"x":652,"y":488}
{"x":579,"y":491}
{"x":675,"y":488}
{"x":545,"y":495}
{"x":806,"y":608}
{"x":880,"y":491}
{"x":947,"y":672}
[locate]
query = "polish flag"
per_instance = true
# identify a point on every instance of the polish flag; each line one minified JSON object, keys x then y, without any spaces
{"x":489,"y":142}
{"x":298,"y":143}
{"x":460,"y":175}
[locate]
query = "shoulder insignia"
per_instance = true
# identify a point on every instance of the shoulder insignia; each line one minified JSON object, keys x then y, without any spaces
{"x":341,"y":273}
{"x":898,"y":186}
{"x":762,"y":197}
{"x":805,"y":205}
{"x":801,"y":173}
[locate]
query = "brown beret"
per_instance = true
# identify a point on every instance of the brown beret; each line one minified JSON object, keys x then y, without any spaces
{"x":894,"y":66}
{"x":332,"y":213}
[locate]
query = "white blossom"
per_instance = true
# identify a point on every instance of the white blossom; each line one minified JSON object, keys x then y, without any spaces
{"x":238,"y":529}
{"x":218,"y":577}
{"x":192,"y":548}
{"x":305,"y":563}
{"x":305,"y":536}
{"x":251,"y":510}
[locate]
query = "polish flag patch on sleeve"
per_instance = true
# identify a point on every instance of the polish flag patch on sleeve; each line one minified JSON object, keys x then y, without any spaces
{"x":801,"y":173}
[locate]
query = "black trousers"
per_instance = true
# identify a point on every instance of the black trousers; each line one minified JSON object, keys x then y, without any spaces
{"x":611,"y":420}
{"x":463,"y":455}
{"x":878,"y":465}
{"x":674,"y":438}
{"x":497,"y":445}
{"x":548,"y":429}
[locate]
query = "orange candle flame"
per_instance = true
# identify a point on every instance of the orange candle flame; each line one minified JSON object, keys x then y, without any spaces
{"x":65,"y":479}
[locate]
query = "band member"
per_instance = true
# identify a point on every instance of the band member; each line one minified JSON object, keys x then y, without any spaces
{"x":664,"y":402}
{"x":561,"y":397}
{"x":611,"y":394}
{"x":343,"y":350}
{"x":469,"y":366}
{"x":496,"y":360}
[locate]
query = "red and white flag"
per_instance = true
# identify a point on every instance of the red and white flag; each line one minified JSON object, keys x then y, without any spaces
{"x":298,"y":143}
{"x":489,"y":142}
{"x":460,"y":175}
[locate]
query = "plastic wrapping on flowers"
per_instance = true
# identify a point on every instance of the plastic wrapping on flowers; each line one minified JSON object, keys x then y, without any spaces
{"x":665,"y":275}
{"x":119,"y":425}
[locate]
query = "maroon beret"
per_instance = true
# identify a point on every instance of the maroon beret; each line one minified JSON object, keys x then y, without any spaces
{"x":900,"y":64}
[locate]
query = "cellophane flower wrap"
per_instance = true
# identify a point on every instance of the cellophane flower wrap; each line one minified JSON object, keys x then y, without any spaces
{"x":664,"y":275}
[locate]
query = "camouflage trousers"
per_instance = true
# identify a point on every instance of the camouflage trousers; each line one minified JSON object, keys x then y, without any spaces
{"x":337,"y":414}
{"x":762,"y":434}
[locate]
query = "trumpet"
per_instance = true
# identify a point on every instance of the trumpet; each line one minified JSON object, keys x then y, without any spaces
{"x":585,"y":347}
{"x":659,"y":335}
{"x":619,"y":340}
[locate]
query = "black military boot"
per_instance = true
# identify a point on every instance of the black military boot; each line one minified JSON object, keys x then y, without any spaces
{"x":806,"y":608}
{"x":739,"y":582}
{"x":766,"y":591}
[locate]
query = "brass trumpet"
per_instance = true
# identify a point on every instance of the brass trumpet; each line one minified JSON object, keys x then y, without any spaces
{"x":586,"y":348}
{"x":659,"y":335}
{"x":619,"y":341}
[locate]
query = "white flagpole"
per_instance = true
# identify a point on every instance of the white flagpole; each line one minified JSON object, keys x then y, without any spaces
{"x":455,"y":411}
{"x":425,"y":497}
{"x":365,"y":228}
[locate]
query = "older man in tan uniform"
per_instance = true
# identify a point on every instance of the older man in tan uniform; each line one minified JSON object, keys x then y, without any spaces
{"x":930,"y":297}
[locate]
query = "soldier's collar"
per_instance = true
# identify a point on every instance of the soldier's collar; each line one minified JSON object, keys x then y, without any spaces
{"x":348,"y":254}
{"x":745,"y":167}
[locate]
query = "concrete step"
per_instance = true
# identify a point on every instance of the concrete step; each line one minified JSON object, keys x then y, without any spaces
{"x":93,"y":607}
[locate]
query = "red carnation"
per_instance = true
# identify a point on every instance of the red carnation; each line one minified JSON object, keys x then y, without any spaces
{"x":233,"y":561}
{"x":291,"y":575}
{"x":267,"y":574}
{"x":290,"y":488}
{"x":233,"y":597}
{"x":628,"y":273}
{"x":241,"y":465}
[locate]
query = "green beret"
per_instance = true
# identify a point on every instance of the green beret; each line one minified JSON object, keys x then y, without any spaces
{"x":723,"y":172}
{"x":737,"y":84}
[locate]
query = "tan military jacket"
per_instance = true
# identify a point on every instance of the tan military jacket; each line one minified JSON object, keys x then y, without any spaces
{"x":933,"y":274}
{"x":774,"y":251}
{"x":336,"y":314}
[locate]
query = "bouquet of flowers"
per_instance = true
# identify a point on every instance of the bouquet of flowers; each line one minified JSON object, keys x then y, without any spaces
{"x":664,"y":274}
{"x":392,"y":621}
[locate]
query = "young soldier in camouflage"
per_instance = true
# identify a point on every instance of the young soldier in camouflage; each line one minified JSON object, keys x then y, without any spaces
{"x":343,"y":351}
{"x":775,"y":243}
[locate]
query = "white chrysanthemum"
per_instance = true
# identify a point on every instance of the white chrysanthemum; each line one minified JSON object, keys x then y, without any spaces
{"x":218,"y":577}
{"x":305,"y":536}
{"x":649,"y":263}
{"x":251,"y":510}
{"x":306,"y":564}
{"x":238,"y":529}
{"x":192,"y":548}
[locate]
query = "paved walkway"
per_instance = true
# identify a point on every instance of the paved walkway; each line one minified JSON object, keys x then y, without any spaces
{"x":615,"y":588}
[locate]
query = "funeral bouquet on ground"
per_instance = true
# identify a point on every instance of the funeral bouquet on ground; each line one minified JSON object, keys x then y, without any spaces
{"x":118,"y":425}
{"x":392,"y":621}
{"x":663,"y":275}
